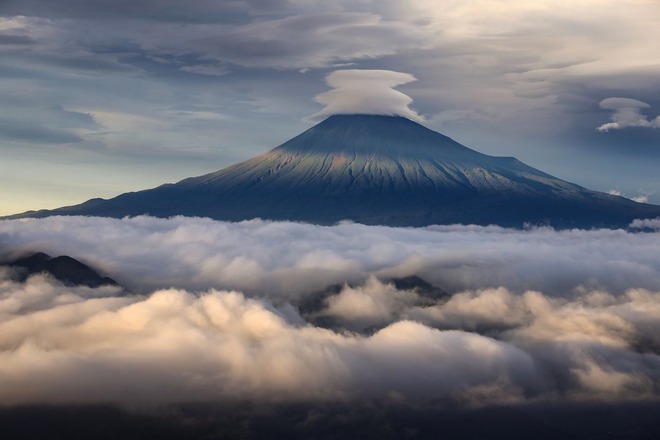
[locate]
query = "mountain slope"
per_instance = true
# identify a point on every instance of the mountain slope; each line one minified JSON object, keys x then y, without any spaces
{"x":376,"y":170}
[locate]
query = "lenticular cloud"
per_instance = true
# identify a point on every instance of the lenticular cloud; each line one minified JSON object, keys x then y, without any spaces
{"x":627,"y":113}
{"x":225,"y":312}
{"x":369,"y":92}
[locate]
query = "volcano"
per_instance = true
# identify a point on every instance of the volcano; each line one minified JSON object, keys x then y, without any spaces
{"x":377,"y":170}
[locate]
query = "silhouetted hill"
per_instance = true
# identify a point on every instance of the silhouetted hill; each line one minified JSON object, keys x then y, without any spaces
{"x":64,"y":268}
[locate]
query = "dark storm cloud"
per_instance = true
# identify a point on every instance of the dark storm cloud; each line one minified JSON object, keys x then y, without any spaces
{"x":490,"y":342}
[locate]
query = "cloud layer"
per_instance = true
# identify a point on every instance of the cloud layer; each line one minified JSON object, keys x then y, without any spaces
{"x":528,"y":315}
{"x":289,"y":259}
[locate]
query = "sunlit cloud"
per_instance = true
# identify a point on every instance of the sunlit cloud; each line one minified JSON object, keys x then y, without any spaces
{"x":62,"y":344}
{"x":281,"y":312}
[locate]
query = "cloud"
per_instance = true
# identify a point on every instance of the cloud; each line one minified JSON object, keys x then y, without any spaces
{"x":63,"y":345}
{"x":78,"y":345}
{"x":212,"y":314}
{"x":366,"y":92}
{"x":646,"y":223}
{"x":641,"y":198}
{"x":290,"y":259}
{"x":627,"y":113}
{"x":17,"y":40}
{"x":29,"y":132}
{"x":149,"y":10}
{"x":592,"y":336}
{"x":206,"y":69}
{"x":312,"y":40}
{"x":367,"y":306}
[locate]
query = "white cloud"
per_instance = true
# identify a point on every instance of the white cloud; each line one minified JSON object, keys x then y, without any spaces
{"x":289,"y":259}
{"x":174,"y":346}
{"x":366,"y":92}
{"x":627,"y":113}
{"x":646,"y":224}
{"x":78,"y":345}
{"x":537,"y":314}
{"x":371,"y":305}
{"x":640,"y":198}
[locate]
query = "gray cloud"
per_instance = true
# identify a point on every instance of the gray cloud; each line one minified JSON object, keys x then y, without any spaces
{"x":161,"y":10}
{"x":206,"y":69}
{"x":29,"y":132}
{"x":54,"y":126}
{"x":310,"y":40}
{"x":19,"y":40}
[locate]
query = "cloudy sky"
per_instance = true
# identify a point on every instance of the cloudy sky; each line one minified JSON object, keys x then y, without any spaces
{"x":99,"y":97}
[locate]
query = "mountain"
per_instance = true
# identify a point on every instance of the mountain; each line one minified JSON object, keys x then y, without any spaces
{"x":64,"y":268}
{"x":374,"y":169}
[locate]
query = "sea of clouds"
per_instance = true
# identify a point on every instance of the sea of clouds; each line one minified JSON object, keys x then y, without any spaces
{"x":209,"y":311}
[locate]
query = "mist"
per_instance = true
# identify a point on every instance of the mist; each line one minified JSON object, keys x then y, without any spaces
{"x":282,"y":260}
{"x":211,"y":312}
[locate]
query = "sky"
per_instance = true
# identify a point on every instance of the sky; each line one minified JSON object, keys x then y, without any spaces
{"x":101,"y":97}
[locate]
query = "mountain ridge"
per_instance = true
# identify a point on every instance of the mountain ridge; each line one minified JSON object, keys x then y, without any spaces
{"x":375,"y":169}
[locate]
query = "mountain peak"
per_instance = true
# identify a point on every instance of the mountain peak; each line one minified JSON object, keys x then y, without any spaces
{"x":372,"y":134}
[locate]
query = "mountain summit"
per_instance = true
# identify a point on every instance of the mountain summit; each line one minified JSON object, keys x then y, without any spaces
{"x":372,"y":169}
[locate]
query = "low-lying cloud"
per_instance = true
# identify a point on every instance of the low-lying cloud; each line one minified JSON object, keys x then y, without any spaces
{"x":284,"y":260}
{"x":212,"y":314}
